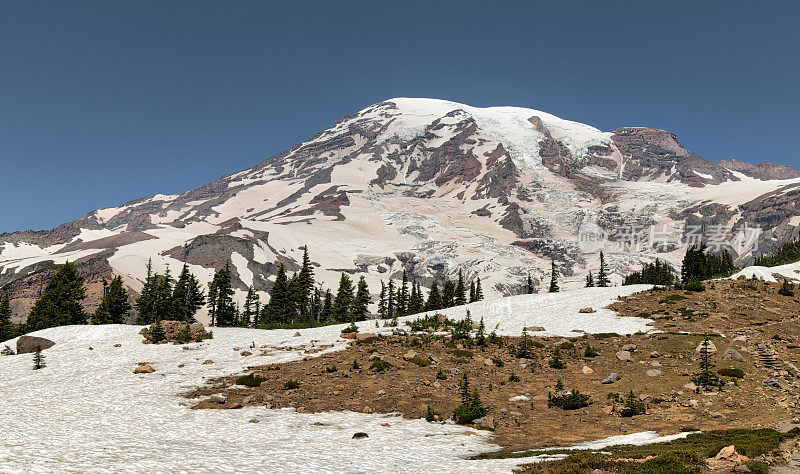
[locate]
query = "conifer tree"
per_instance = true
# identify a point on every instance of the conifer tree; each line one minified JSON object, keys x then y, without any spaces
{"x":327,"y":307}
{"x":448,"y":294}
{"x":382,"y":301}
{"x":221,"y":307}
{"x":390,"y":300}
{"x":114,"y":305}
{"x":589,"y":280}
{"x":164,"y":304}
{"x":416,"y":300}
{"x":187,"y":296}
{"x":6,"y":326}
{"x":316,"y":304}
{"x":602,"y":276}
{"x":251,"y":308}
{"x":358,"y":310}
{"x":553,"y":278}
{"x":402,"y":296}
{"x":60,"y":303}
{"x":461,"y":290}
{"x":305,"y":284}
{"x":529,"y":285}
{"x":434,"y":299}
{"x":472,"y":292}
{"x":146,"y":302}
{"x":279,"y":308}
{"x":38,"y":358}
{"x":478,"y":290}
{"x":344,"y":299}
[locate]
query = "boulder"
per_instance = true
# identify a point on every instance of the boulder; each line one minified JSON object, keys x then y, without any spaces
{"x":534,"y":329}
{"x":629,"y":347}
{"x":613,"y":377}
{"x":587,"y":370}
{"x":28,"y":344}
{"x":365,"y":336}
{"x":623,"y":355}
{"x":733,"y":354}
{"x":360,"y":435}
{"x":653,"y":373}
{"x":410,"y":355}
{"x":586,"y":310}
{"x":143,"y":369}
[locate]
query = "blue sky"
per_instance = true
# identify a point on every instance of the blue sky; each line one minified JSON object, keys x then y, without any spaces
{"x":106,"y":101}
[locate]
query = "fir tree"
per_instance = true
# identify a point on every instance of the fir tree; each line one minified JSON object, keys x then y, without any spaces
{"x":6,"y":326}
{"x":461,"y":290}
{"x":114,"y":306}
{"x":478,"y":290}
{"x":416,"y":302}
{"x":38,"y":358}
{"x":221,"y":307}
{"x":358,"y":310}
{"x":402,"y":296}
{"x":382,"y":301}
{"x":553,"y":278}
{"x":145,"y":303}
{"x":251,"y":308}
{"x":344,"y":299}
{"x":187,"y":296}
{"x":472,"y":292}
{"x":327,"y":307}
{"x":656,"y":273}
{"x":434,"y":299}
{"x":589,"y":280}
{"x":602,"y":276}
{"x":390,"y":300}
{"x":529,"y":285}
{"x":305,"y":283}
{"x":706,"y":377}
{"x":280,"y":307}
{"x":164,"y":304}
{"x":60,"y":303}
{"x":448,"y":294}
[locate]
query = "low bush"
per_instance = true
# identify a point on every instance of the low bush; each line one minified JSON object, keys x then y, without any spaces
{"x":379,"y":365}
{"x":250,"y":380}
{"x":462,"y":353}
{"x":731,"y":372}
{"x":571,"y":400}
{"x":291,"y":384}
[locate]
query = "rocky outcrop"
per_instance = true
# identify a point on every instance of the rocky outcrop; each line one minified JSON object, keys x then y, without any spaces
{"x":764,"y":170}
{"x":28,"y":344}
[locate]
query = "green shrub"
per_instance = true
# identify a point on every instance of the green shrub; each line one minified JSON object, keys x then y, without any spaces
{"x":786,"y":289}
{"x":498,"y":361}
{"x":431,"y":415}
{"x":571,"y":400}
{"x":421,"y":361}
{"x":184,"y":335}
{"x":694,"y":285}
{"x":471,"y":407}
{"x":590,"y":352}
{"x":379,"y":365}
{"x":331,"y":369}
{"x":355,"y":365}
{"x":441,"y":375}
{"x":462,"y":353}
{"x":556,"y":361}
{"x":291,"y":384}
{"x":350,"y":329}
{"x":513,"y":377}
{"x":633,"y":406}
{"x":250,"y":380}
{"x":731,"y":372}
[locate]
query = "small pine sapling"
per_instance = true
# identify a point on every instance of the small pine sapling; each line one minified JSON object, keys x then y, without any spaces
{"x":38,"y":358}
{"x":556,"y":362}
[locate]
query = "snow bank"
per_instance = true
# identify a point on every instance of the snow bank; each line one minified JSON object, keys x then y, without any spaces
{"x":87,"y":412}
{"x":790,"y":270}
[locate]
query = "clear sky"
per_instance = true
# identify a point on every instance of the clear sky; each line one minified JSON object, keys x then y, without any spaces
{"x":106,"y":101}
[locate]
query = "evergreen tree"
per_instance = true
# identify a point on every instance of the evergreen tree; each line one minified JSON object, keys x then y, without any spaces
{"x":251,"y":308}
{"x":6,"y":326}
{"x":448,"y":294}
{"x":553,"y":278}
{"x":221,"y":306}
{"x":602,"y":276}
{"x":327,"y":307}
{"x":461,"y":290}
{"x":164,"y":304}
{"x":656,"y":273}
{"x":589,"y":280}
{"x":478,"y":290}
{"x":114,"y":305}
{"x":472,"y":292}
{"x":706,"y":376}
{"x":529,"y":285}
{"x":382,"y":301}
{"x":145,"y":303}
{"x":344,"y":299}
{"x":60,"y":303}
{"x":187,"y":296}
{"x":416,"y":302}
{"x":434,"y":299}
{"x":280,"y":307}
{"x":390,"y":300}
{"x":316,"y":304}
{"x":38,"y":358}
{"x":358,"y":309}
{"x":402,"y":296}
{"x":304,"y":286}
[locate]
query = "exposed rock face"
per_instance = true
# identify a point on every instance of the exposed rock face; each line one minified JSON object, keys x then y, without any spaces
{"x":172,"y":329}
{"x":428,"y":187}
{"x":28,"y":344}
{"x":763,"y":171}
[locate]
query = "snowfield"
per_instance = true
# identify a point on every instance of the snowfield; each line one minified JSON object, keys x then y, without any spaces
{"x":790,"y":271}
{"x":86,"y":411}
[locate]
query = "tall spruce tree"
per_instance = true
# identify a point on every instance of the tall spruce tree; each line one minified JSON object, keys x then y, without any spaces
{"x":434,"y":298}
{"x":344,"y":299}
{"x":114,"y":306}
{"x":553,"y":278}
{"x":251,"y":308}
{"x":326,"y":314}
{"x":6,"y":326}
{"x":529,"y":285}
{"x":472,"y":292}
{"x":461,"y":290}
{"x":390,"y":300}
{"x":187,"y":296}
{"x":382,"y":301}
{"x":146,"y":302}
{"x":448,"y":294}
{"x":60,"y":303}
{"x":589,"y":280}
{"x":221,"y":307}
{"x":279,"y":310}
{"x":602,"y":275}
{"x":478,"y":289}
{"x":416,"y":302}
{"x":358,"y":309}
{"x":304,"y":286}
{"x":402,"y":296}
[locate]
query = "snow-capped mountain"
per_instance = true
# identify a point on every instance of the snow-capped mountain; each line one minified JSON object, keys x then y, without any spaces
{"x":432,"y":187}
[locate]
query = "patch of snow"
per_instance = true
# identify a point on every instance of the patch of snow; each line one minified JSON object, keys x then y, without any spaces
{"x":790,"y":270}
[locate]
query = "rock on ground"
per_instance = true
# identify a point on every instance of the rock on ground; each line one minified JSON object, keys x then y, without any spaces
{"x":28,"y":344}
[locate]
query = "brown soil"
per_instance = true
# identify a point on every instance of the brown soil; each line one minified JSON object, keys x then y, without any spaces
{"x":732,"y":308}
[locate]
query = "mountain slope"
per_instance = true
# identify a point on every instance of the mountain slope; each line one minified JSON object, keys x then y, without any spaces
{"x":429,"y":186}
